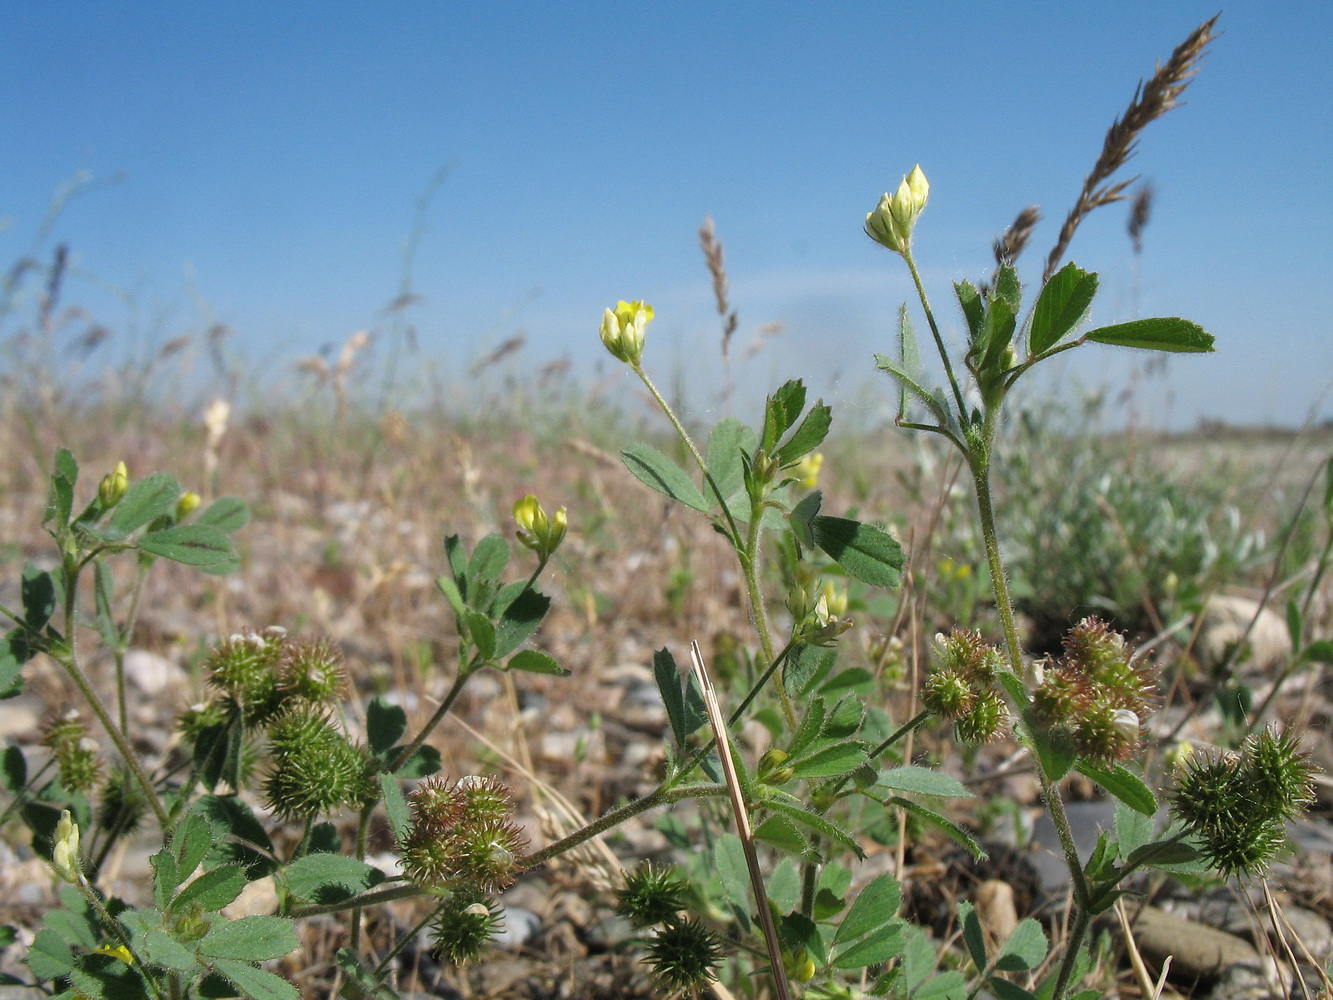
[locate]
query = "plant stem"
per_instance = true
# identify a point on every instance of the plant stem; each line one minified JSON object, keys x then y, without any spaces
{"x":935,"y":332}
{"x":662,"y":796}
{"x":70,"y":661}
{"x":454,"y":691}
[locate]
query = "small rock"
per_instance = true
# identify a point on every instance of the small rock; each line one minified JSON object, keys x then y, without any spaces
{"x":1225,"y":620}
{"x":1197,"y":952}
{"x":520,"y":926}
{"x":152,"y":674}
{"x":19,"y":717}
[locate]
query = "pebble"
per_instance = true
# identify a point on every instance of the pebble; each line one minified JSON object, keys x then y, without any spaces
{"x":152,"y":673}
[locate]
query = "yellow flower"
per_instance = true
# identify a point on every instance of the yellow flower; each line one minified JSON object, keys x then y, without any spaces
{"x":187,"y":505}
{"x":537,"y":531}
{"x":892,"y":221}
{"x":65,"y":849}
{"x":113,"y":486}
{"x":807,"y":469}
{"x":623,"y":330}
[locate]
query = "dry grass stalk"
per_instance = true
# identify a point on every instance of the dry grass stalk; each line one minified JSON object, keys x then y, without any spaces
{"x":1140,"y":211}
{"x":717,"y":267}
{"x":1015,"y":238}
{"x":1151,"y":101}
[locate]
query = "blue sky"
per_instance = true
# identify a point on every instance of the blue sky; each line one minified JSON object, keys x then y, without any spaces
{"x":269,"y":157}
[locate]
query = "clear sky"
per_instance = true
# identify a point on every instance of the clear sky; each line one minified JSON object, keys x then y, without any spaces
{"x":270,"y":157}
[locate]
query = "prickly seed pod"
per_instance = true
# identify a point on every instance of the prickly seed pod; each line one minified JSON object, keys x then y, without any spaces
{"x":313,"y":669}
{"x":947,"y":694}
{"x":1106,"y":734}
{"x":966,"y":652}
{"x":464,"y":926}
{"x":314,"y":768}
{"x":75,"y":752}
{"x":1279,"y":776}
{"x":652,"y":895}
{"x":122,"y":803}
{"x":985,"y":721}
{"x":245,"y":667}
{"x":462,"y":835}
{"x":1061,"y":697}
{"x":684,"y":955}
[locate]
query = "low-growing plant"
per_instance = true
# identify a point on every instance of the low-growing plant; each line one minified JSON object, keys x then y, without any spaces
{"x":268,"y":764}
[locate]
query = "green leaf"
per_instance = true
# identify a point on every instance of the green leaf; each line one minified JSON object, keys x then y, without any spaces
{"x":922,"y":781}
{"x":452,"y":594}
{"x":232,"y":816}
{"x":1005,"y":990}
{"x":951,"y":828}
{"x":106,"y":977}
{"x":255,"y":983}
{"x":212,"y":890}
{"x":423,"y":763}
{"x":652,"y":468}
{"x":534,"y":661}
{"x":877,"y":947}
{"x":488,"y":561}
{"x":816,"y":822}
{"x":1061,"y":307}
{"x":782,"y":833}
{"x":1163,"y":852}
{"x":812,"y":724}
{"x":832,"y":762}
{"x":228,"y":514}
{"x":907,"y":383}
{"x":1008,"y":289}
{"x":997,"y":334}
{"x":361,"y":983}
{"x":875,"y":906}
{"x":729,"y":863}
{"x":395,"y":805}
{"x":808,"y":436}
{"x":974,"y":310}
{"x":250,"y":939}
{"x":869,"y":554}
{"x":802,"y":518}
{"x":200,"y":545}
{"x":60,"y":504}
{"x":330,"y":878}
{"x":1126,"y":786}
{"x":1132,"y":829}
{"x":13,"y":768}
{"x":1053,"y":753}
{"x":166,"y":877}
{"x":481,"y":632}
{"x":156,"y":946}
{"x":726,"y":441}
{"x":144,"y":500}
{"x":190,"y":843}
{"x":1319,"y":651}
{"x":1160,"y":334}
{"x":972,"y":934}
{"x":11,"y":670}
{"x":50,"y":956}
{"x":1025,"y":948}
{"x":784,"y":885}
{"x":780,"y":412}
{"x":385,"y":724}
{"x":38,"y":590}
{"x":685,"y":708}
{"x":520,"y":609}
{"x":946,"y":986}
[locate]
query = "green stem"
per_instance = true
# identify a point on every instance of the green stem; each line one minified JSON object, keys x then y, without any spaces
{"x":70,"y":661}
{"x":1077,"y":929}
{"x":454,"y":691}
{"x":662,"y":796}
{"x":935,"y":332}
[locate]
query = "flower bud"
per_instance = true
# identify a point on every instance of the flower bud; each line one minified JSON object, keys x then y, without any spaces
{"x":623,"y":330}
{"x":892,"y":221}
{"x":187,"y":505}
{"x":114,"y":486}
{"x":65,"y":849}
{"x":537,"y":531}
